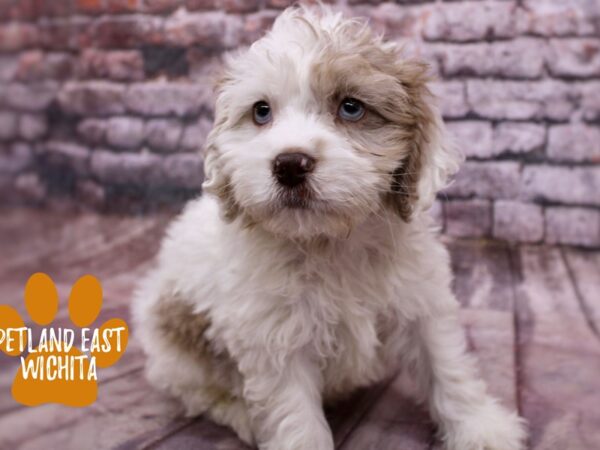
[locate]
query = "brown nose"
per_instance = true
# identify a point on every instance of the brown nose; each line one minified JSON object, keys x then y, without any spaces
{"x":290,"y":169}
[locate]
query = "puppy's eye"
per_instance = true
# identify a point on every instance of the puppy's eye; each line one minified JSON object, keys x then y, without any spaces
{"x":261,"y":113}
{"x":351,"y":109}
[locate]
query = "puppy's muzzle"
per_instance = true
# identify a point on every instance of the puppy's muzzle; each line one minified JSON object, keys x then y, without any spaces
{"x":292,"y":169}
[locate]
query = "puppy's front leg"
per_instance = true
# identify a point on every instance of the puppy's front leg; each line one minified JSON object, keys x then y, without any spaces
{"x":468,"y":417}
{"x":284,"y":398}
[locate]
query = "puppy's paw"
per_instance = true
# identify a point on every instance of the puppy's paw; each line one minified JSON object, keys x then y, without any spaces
{"x":491,"y":428}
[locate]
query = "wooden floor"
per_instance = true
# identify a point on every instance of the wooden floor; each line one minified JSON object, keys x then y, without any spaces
{"x":532,"y":316}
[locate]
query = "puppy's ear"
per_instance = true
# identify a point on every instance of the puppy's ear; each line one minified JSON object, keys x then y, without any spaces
{"x":431,"y":157}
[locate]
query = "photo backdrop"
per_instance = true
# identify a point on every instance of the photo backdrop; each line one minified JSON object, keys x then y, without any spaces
{"x":105,"y":104}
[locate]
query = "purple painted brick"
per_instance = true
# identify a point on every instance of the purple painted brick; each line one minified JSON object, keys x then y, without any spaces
{"x":32,"y":126}
{"x":576,"y":185}
{"x":184,"y":170}
{"x":577,"y":58}
{"x":164,"y":134}
{"x":67,"y":154}
{"x":494,"y":180}
{"x":163,"y":99}
{"x":518,"y":137}
{"x":451,"y":98}
{"x":574,"y":226}
{"x":474,"y":138}
{"x":547,"y":99}
{"x":139,"y":169}
{"x":561,"y":18}
{"x":468,"y":218}
{"x":94,"y":98}
{"x":15,"y":158}
{"x":520,"y":58}
{"x":30,"y":97}
{"x":518,"y":222}
{"x":574,"y":142}
{"x":469,"y":21}
{"x":8,"y":125}
{"x":125,"y":132}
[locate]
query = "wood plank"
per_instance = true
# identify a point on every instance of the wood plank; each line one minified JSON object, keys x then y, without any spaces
{"x":126,"y":407}
{"x":584,"y":270}
{"x":482,"y":276}
{"x":560,"y":356}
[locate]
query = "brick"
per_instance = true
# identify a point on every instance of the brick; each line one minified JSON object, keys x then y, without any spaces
{"x":194,"y":135}
{"x":184,"y":171}
{"x":520,"y":58}
{"x":130,"y":31}
{"x":518,"y":137}
{"x":8,"y":68}
{"x":93,"y":131}
{"x":23,"y":10}
{"x":137,"y":169}
{"x":30,"y":188}
{"x":90,"y":194}
{"x":121,"y":65}
{"x":573,"y":226}
{"x":30,"y":97}
{"x":240,"y":6}
{"x":90,"y":6}
{"x":162,"y":98}
{"x":561,"y":18}
{"x":8,"y":125}
{"x":194,"y":5}
{"x":32,"y":126}
{"x":125,"y":132}
{"x":474,"y":138}
{"x":72,"y":33}
{"x":590,"y":100}
{"x":95,"y":98}
{"x":208,"y":29}
{"x":164,"y":134}
{"x":515,"y":100}
{"x":574,"y":58}
{"x":468,"y":218}
{"x":160,"y":6}
{"x":451,"y":98}
{"x":574,"y":142}
{"x":279,"y":4}
{"x":15,"y":158}
{"x":36,"y":65}
{"x":255,"y":25}
{"x":17,"y":36}
{"x":396,"y":21}
{"x":122,"y":6}
{"x":470,"y":21}
{"x":204,"y":67}
{"x":518,"y":222}
{"x":576,"y":185}
{"x":493,"y":180}
{"x":68,"y":155}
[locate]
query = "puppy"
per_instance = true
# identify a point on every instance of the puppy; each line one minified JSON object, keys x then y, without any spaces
{"x":310,"y":266}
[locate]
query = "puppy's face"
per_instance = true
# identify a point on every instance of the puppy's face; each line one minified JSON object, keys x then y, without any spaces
{"x":318,"y":125}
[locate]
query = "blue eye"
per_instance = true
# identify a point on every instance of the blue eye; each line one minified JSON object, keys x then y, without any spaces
{"x":261,"y":113}
{"x":351,"y":109}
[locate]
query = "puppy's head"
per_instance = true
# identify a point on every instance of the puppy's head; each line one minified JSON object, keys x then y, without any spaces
{"x":320,"y":124}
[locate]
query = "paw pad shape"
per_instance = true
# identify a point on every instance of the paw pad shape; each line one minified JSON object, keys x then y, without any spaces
{"x":55,"y":371}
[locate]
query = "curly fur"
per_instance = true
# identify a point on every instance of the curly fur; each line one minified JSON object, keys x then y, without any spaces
{"x":257,"y":313}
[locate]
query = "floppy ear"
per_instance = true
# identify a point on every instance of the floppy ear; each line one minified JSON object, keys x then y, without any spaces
{"x":431,"y":160}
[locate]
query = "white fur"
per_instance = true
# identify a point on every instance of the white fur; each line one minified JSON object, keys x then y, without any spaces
{"x":310,"y":304}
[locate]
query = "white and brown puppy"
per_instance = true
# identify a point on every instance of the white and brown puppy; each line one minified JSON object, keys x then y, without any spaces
{"x":310,"y":267}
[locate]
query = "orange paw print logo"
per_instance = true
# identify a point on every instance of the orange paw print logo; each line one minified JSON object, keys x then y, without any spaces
{"x":55,"y":370}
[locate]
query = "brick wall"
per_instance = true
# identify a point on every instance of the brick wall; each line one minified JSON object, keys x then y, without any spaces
{"x":104,"y":103}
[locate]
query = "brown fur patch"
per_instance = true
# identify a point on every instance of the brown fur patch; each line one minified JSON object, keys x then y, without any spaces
{"x":394,"y":91}
{"x":178,"y":322}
